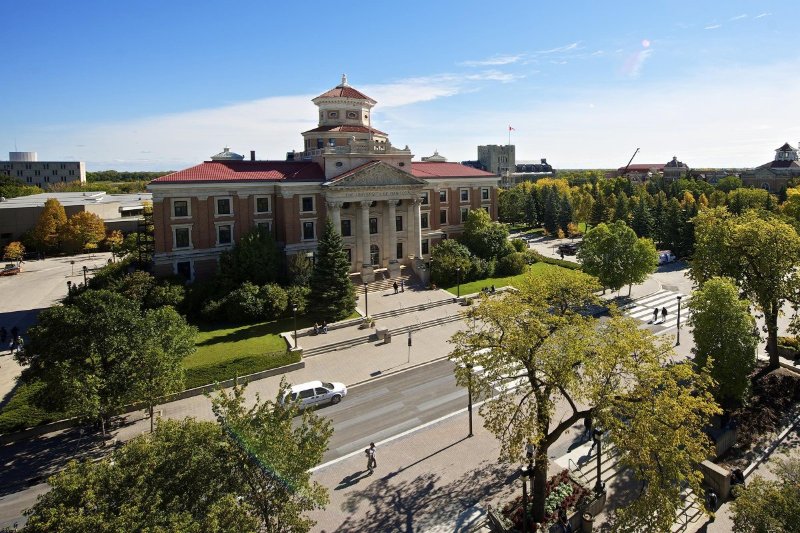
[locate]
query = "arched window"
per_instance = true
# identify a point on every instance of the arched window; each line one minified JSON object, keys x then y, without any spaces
{"x":765,"y":186}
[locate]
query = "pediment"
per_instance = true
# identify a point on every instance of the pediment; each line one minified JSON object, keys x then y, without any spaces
{"x":375,"y":174}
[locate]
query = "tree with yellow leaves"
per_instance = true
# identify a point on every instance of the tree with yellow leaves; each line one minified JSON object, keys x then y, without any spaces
{"x":82,"y":232}
{"x":45,"y":234}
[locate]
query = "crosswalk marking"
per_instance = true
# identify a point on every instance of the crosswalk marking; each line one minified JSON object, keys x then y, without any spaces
{"x":642,"y":309}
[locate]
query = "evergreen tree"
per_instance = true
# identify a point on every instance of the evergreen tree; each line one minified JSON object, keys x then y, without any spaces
{"x":332,"y":293}
{"x":564,"y":214}
{"x":531,"y":213}
{"x":550,"y":212}
{"x":598,"y":214}
{"x":642,"y":220}
{"x":673,"y":222}
{"x":782,"y":194}
{"x":659,"y":220}
{"x":621,"y":207}
{"x":686,"y":245}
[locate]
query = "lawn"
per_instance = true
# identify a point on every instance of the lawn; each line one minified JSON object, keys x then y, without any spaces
{"x":476,"y":286}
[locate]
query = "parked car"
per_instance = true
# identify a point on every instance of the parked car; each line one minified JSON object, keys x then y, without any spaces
{"x":665,"y":256}
{"x":569,"y":248}
{"x":316,"y":393}
{"x":9,"y":270}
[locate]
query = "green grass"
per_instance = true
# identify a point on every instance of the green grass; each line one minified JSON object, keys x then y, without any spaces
{"x":476,"y":286}
{"x":22,"y":412}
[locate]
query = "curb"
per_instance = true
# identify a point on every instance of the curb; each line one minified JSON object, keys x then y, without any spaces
{"x":398,"y":371}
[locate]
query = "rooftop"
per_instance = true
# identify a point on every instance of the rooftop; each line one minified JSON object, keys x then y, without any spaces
{"x":343,"y":90}
{"x":75,"y":198}
{"x":237,"y":171}
{"x":428,"y":169}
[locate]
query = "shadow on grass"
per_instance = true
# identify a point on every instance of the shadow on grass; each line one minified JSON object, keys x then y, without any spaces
{"x":243,"y":333}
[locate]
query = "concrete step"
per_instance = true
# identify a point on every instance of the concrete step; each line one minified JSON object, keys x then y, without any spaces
{"x":412,"y":309}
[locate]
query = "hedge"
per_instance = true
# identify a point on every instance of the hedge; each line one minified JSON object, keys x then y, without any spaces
{"x":536,"y":257}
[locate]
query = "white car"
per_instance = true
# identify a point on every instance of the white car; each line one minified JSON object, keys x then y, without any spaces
{"x":665,"y":256}
{"x":316,"y":393}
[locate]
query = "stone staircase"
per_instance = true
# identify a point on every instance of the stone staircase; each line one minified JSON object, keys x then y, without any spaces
{"x":383,"y":282}
{"x":363,"y":339}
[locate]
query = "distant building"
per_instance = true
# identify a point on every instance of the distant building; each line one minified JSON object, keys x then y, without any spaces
{"x":774,"y":175}
{"x":26,"y":167}
{"x":499,"y":160}
{"x":675,"y":169}
{"x":641,"y":171}
{"x":118,"y":211}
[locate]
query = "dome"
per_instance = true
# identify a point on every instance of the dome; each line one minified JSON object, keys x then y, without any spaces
{"x":227,"y":155}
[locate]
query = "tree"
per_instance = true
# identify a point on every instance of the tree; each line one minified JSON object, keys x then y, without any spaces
{"x":246,"y":472}
{"x":85,"y":352}
{"x":621,"y":210}
{"x":164,"y":341}
{"x":723,"y":333}
{"x":14,"y":251}
{"x":332,"y":294}
{"x":729,"y":183}
{"x":511,"y":205}
{"x":765,"y":506}
{"x":82,"y":232}
{"x":615,"y":255}
{"x":564,"y":213}
{"x":114,"y":241}
{"x":52,"y":218}
{"x":642,"y":219}
{"x":550,"y":208}
{"x":759,"y":254}
{"x":571,"y":367}
{"x":300,"y":268}
{"x":598,"y":212}
{"x":484,"y":238}
{"x":446,"y":257}
{"x":253,"y":259}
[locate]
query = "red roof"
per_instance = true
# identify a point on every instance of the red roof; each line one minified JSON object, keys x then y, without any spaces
{"x":345,"y":92}
{"x":216,"y":171}
{"x":346,"y":129}
{"x":427,"y":169}
{"x":643,"y":167}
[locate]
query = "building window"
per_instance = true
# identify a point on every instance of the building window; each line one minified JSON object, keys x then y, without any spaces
{"x":443,"y":195}
{"x":331,"y":142}
{"x":485,"y":193}
{"x":63,"y":166}
{"x":443,"y":216}
{"x":180,"y":208}
{"x":182,"y":238}
{"x":264,"y":224}
{"x":47,"y":179}
{"x":63,"y":178}
{"x":425,"y":197}
{"x":347,"y":228}
{"x":262,"y":204}
{"x":55,"y":173}
{"x":224,"y":234}
{"x":223,"y":206}
{"x":349,"y":253}
{"x":184,"y":269}
{"x":398,"y":223}
{"x":464,"y":195}
{"x":486,"y":208}
{"x":30,"y":180}
{"x":399,"y":250}
{"x":424,"y":246}
{"x":464,"y":214}
{"x":35,"y":172}
{"x":373,"y":226}
{"x":71,"y":172}
{"x":423,"y":220}
{"x":307,"y":204}
{"x":333,"y":114}
{"x":308,"y":231}
{"x":320,"y":143}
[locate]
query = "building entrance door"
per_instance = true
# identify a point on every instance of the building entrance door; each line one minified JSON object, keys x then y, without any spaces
{"x":375,"y":254}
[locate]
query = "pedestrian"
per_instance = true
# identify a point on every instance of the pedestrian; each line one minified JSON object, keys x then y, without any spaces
{"x":402,"y":285}
{"x":316,"y":328}
{"x":492,"y":289}
{"x":712,"y":500}
{"x":14,"y":332}
{"x":372,"y":463}
{"x":663,"y":314}
{"x":655,"y":315}
{"x":20,"y":344}
{"x":396,"y":287}
{"x":3,"y":334}
{"x":561,"y":254}
{"x":324,"y":326}
{"x":587,"y":428}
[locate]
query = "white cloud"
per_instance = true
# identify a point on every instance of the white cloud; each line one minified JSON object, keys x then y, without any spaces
{"x":738,"y":17}
{"x":762,"y":15}
{"x":565,"y":48}
{"x":492,"y":61}
{"x":713,"y":27}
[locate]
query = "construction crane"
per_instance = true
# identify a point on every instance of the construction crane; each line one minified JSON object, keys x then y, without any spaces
{"x":629,"y":162}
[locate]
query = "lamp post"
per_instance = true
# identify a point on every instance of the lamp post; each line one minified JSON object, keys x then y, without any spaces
{"x":458,"y":290}
{"x":597,"y":435}
{"x":469,"y":396}
{"x":366,"y":300}
{"x":525,"y":473}
{"x":73,"y":266}
{"x":294,"y":315}
{"x":678,"y":343}
{"x":85,"y":270}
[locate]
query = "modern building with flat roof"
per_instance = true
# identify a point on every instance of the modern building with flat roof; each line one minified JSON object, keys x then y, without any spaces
{"x":118,"y":211}
{"x":26,"y":167}
{"x":389,"y":209}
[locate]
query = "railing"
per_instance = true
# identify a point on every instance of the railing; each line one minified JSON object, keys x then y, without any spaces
{"x":358,"y":148}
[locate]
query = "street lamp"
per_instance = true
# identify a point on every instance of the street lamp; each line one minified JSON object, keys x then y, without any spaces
{"x":73,"y":266}
{"x":469,"y":396}
{"x":678,"y":343}
{"x":366,"y":300}
{"x":525,"y":473}
{"x":597,"y":435}
{"x":458,"y":274}
{"x":85,"y":270}
{"x":294,"y":314}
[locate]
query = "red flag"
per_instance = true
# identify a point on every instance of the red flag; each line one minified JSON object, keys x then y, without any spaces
{"x":511,"y":129}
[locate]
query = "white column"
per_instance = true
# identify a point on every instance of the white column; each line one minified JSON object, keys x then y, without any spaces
{"x":366,"y":261}
{"x":336,"y":215}
{"x":389,"y":227}
{"x":414,"y":227}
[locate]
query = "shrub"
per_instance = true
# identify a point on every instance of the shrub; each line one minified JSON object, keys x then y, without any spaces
{"x":520,"y":245}
{"x":274,"y":300}
{"x":512,"y":264}
{"x":478,"y":269}
{"x":297,"y":295}
{"x":244,"y":304}
{"x":532,"y":256}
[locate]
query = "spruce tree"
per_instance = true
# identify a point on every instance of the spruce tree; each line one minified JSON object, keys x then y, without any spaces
{"x":564,"y":214}
{"x":621,"y":207}
{"x":332,"y":294}
{"x":598,"y":214}
{"x":642,"y":221}
{"x":550,"y":212}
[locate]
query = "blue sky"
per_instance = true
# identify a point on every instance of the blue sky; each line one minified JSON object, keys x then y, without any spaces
{"x":163,"y":85}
